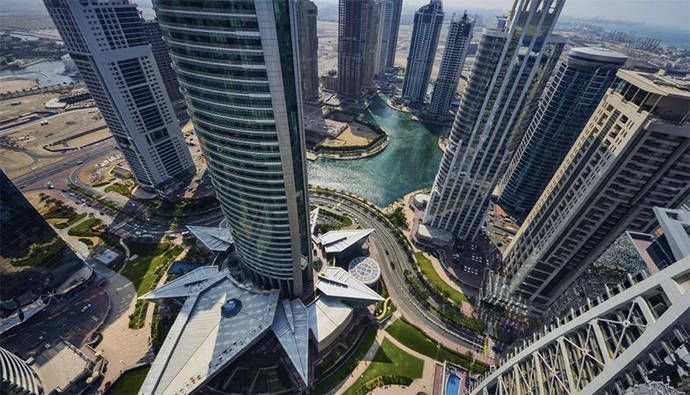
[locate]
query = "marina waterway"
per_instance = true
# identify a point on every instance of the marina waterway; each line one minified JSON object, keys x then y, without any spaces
{"x":408,"y":163}
{"x":47,"y":73}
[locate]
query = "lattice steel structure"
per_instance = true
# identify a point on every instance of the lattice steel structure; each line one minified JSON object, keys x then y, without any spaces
{"x":635,"y":333}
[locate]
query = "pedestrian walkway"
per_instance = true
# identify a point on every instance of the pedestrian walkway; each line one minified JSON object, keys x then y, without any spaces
{"x":116,"y":330}
{"x":423,"y":384}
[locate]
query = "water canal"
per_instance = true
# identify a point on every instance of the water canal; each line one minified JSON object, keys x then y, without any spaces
{"x":408,"y":163}
{"x":46,"y":73}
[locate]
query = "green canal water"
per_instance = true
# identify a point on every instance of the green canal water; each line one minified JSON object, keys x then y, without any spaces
{"x":408,"y":163}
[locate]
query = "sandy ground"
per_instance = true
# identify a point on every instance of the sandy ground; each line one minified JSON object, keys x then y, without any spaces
{"x":34,"y":136}
{"x":355,"y":134}
{"x":12,"y":161}
{"x":101,"y":166}
{"x":11,"y":84}
{"x":86,"y":139}
{"x":27,"y":104}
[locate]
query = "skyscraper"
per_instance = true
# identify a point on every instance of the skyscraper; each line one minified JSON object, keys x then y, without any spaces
{"x":392,"y":40}
{"x":34,"y":260}
{"x":632,"y":339}
{"x":578,"y":85}
{"x":459,"y":36}
{"x":308,"y":49}
{"x":423,"y":44}
{"x":17,"y":376}
{"x":387,"y":24}
{"x":511,"y":69}
{"x":373,"y":44}
{"x":353,"y":22}
{"x":108,"y":44}
{"x":237,"y":66}
{"x":164,"y":63}
{"x":633,"y":154}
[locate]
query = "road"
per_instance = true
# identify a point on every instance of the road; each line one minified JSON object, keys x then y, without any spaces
{"x":386,"y":247}
{"x":394,"y":261}
{"x":70,"y":160}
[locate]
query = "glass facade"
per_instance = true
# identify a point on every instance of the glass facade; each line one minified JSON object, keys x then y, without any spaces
{"x":577,"y":87}
{"x":510,"y":72}
{"x":457,"y":42}
{"x":236,"y":65}
{"x":425,"y":33}
{"x":33,"y":259}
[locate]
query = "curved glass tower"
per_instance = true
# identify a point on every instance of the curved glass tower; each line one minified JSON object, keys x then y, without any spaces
{"x":238,"y":68}
{"x":578,"y":84}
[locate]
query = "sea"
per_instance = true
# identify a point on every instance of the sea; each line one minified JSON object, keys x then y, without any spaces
{"x":667,"y":36}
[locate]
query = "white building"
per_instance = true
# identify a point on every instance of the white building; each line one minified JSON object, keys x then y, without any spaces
{"x":512,"y":67}
{"x":425,"y":33}
{"x":221,"y":319}
{"x":107,"y":42}
{"x":633,"y":155}
{"x":617,"y":343}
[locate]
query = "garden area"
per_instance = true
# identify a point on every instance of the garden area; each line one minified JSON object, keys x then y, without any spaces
{"x":59,"y":211}
{"x":39,"y":253}
{"x":446,"y":289}
{"x":390,"y":365}
{"x":397,"y":218}
{"x":346,"y":366}
{"x":182,"y":207}
{"x":417,"y":340}
{"x":120,"y":188}
{"x":130,"y":382}
{"x":328,"y":220}
{"x":146,"y":271}
{"x":388,"y":305}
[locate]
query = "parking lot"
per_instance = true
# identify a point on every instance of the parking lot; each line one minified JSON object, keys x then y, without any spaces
{"x":467,"y":261}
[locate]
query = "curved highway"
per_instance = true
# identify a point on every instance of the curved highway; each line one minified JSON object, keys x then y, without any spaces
{"x":394,"y":262}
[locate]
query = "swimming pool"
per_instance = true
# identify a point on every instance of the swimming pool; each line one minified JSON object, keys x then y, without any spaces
{"x":453,"y":384}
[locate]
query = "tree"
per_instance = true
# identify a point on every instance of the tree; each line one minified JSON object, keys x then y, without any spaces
{"x":397,"y":218}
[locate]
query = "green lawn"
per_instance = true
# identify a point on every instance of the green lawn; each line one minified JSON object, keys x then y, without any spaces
{"x":349,"y":364}
{"x":41,"y":255}
{"x":122,"y":189}
{"x":430,"y":273}
{"x":76,"y":218}
{"x":389,"y":361}
{"x":143,"y":271}
{"x":86,"y":228}
{"x":129,"y":383}
{"x":146,"y":271}
{"x":415,"y":339}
